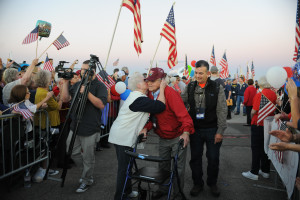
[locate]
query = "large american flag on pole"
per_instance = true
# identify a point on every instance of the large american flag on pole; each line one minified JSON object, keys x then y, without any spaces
{"x":212,"y":57}
{"x":297,"y":36}
{"x":134,"y":6}
{"x":61,"y":42}
{"x":224,"y":72}
{"x":168,"y":32}
{"x":32,"y":36}
{"x":106,"y":79}
{"x":186,"y":69}
{"x":47,"y":65}
{"x":265,"y":108}
{"x":252,"y":70}
{"x":23,"y":110}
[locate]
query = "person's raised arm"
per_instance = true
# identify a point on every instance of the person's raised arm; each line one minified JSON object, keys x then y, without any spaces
{"x":161,"y":96}
{"x":49,"y":95}
{"x":294,"y":100}
{"x":27,"y":76}
{"x":65,"y":96}
{"x":73,"y":64}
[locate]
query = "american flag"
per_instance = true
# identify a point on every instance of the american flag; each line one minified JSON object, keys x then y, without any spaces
{"x":212,"y":57}
{"x":224,"y":72}
{"x":168,"y":32}
{"x":237,"y":73}
{"x":106,"y":79}
{"x":32,"y":36}
{"x":297,"y":34}
{"x":116,"y":62}
{"x":134,"y":7}
{"x":186,"y":70}
{"x":61,"y":42}
{"x":48,"y":66}
{"x":23,"y":110}
{"x":252,"y":70}
{"x":265,"y":108}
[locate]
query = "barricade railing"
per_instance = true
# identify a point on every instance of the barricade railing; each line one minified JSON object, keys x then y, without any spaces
{"x":20,"y":149}
{"x":109,"y":114}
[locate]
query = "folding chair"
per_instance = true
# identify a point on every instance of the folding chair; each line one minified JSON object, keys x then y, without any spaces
{"x":151,"y":174}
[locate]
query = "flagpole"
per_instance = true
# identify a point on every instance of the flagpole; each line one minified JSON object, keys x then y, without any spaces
{"x":112,"y":39}
{"x":49,"y":46}
{"x":37,"y":45}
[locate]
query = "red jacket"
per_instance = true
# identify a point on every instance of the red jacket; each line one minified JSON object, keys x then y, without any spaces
{"x":249,"y":94}
{"x":175,"y":120}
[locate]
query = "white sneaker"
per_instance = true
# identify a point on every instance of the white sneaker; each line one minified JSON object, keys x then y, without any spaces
{"x":82,"y":188}
{"x":39,"y":175}
{"x":53,"y":172}
{"x":263,"y":174}
{"x":133,"y":194}
{"x":250,"y":175}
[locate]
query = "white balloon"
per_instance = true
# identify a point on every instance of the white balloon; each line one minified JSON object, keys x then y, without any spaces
{"x":276,"y":77}
{"x":120,"y":87}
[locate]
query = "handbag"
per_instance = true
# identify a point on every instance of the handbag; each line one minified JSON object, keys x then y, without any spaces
{"x":229,"y":102}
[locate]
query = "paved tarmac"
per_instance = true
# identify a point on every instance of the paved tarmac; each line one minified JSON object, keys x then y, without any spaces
{"x":234,"y":159}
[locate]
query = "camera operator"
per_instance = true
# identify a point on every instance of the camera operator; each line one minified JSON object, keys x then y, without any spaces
{"x":89,"y":128}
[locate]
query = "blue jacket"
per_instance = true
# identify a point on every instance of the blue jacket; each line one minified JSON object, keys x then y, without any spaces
{"x":241,"y":89}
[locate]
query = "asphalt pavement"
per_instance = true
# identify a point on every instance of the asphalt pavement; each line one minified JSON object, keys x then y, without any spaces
{"x":234,"y":159}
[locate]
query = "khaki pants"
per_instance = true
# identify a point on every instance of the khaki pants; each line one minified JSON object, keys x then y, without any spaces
{"x":83,"y":155}
{"x":168,"y":148}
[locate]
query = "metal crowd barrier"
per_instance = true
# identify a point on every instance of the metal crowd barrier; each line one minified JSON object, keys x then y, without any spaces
{"x":20,"y":150}
{"x":109,"y":114}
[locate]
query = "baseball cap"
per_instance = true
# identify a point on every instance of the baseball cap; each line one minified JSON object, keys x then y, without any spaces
{"x":184,"y":78}
{"x":214,"y":69}
{"x":155,"y":73}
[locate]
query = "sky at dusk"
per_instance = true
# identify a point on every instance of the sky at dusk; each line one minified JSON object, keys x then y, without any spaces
{"x":258,"y":30}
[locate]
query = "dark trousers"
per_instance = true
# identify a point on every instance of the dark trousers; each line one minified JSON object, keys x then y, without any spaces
{"x":229,"y":112}
{"x":259,"y":157}
{"x":233,"y":102}
{"x":197,"y":141}
{"x":248,"y":111}
{"x":123,"y":161}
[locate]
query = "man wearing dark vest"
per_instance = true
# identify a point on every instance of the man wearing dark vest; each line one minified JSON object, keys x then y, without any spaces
{"x":207,"y":107}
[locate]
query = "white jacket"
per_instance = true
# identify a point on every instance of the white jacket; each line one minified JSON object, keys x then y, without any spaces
{"x":128,"y":124}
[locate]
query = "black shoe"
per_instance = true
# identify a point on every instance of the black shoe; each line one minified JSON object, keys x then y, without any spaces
{"x":244,"y":114}
{"x":228,"y":117}
{"x":105,"y":145}
{"x":195,"y":191}
{"x":246,"y":124}
{"x":236,"y":113}
{"x":158,"y":194}
{"x":215,"y":190}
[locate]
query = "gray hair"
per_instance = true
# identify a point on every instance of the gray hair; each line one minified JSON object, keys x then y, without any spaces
{"x":125,"y":69}
{"x":10,"y":75}
{"x":262,"y":82}
{"x":42,"y":78}
{"x":173,"y":79}
{"x":134,"y":80}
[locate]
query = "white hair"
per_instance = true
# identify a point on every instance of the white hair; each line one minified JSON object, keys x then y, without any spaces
{"x":173,"y":79}
{"x":262,"y":82}
{"x":134,"y":80}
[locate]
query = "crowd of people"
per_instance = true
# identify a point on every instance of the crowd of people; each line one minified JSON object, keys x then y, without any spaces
{"x":173,"y":107}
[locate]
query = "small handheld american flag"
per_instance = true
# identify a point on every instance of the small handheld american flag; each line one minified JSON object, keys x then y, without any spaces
{"x":106,"y":79}
{"x":48,"y":66}
{"x":23,"y":110}
{"x":252,"y":70}
{"x":32,"y":36}
{"x":266,"y":107}
{"x":61,"y":42}
{"x":186,"y":69}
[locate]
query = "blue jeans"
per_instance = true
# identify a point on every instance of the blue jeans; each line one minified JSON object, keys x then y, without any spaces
{"x":197,"y":141}
{"x":239,"y":100}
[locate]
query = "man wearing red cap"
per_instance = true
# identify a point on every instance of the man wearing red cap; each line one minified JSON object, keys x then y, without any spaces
{"x":170,"y":125}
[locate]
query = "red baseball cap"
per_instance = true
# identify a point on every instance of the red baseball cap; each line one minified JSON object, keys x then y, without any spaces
{"x":155,"y":73}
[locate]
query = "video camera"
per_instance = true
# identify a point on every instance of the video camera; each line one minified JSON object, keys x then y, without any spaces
{"x":65,"y":73}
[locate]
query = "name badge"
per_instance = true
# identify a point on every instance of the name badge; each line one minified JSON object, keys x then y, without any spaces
{"x":200,"y":114}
